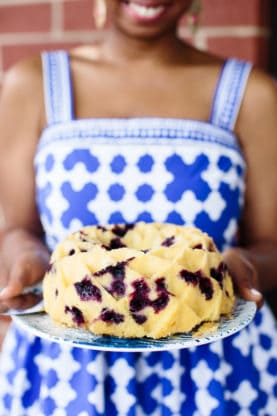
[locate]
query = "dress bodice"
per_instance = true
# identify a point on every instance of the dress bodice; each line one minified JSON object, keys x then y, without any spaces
{"x":99,"y":171}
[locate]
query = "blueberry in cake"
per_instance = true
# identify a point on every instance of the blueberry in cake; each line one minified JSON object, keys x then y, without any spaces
{"x":137,"y":280}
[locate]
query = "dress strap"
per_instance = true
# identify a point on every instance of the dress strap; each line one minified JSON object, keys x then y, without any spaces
{"x":57,"y":86}
{"x":229,"y":93}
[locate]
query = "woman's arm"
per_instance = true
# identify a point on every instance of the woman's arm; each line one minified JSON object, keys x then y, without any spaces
{"x":254,"y":263}
{"x":23,"y":255}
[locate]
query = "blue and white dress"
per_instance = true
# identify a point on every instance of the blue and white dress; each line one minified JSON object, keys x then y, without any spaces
{"x":92,"y":171}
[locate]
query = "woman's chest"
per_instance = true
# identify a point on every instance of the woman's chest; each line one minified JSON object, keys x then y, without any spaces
{"x":122,"y":93}
{"x":148,"y":174}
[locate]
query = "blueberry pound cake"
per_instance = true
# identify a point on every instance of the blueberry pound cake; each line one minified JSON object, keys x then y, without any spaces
{"x":137,"y":280}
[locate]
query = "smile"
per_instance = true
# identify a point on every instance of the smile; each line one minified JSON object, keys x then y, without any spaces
{"x":145,"y":12}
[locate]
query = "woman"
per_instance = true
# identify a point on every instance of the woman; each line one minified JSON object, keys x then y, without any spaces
{"x":140,"y":127}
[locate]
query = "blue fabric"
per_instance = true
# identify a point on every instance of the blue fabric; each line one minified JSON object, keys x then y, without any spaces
{"x":229,"y":93}
{"x":100,"y":171}
{"x":57,"y":87}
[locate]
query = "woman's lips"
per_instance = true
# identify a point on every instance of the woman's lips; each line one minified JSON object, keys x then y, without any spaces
{"x":144,"y":12}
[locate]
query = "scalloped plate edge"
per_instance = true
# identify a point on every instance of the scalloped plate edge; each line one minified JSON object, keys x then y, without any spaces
{"x":40,"y":324}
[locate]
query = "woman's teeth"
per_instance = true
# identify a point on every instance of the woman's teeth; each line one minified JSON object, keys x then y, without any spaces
{"x":145,"y":11}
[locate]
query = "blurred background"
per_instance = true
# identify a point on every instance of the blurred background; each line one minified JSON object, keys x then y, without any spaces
{"x":246,"y":29}
{"x":241,"y":28}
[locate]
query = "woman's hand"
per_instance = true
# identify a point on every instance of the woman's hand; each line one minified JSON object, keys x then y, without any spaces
{"x":23,"y":262}
{"x":244,"y":274}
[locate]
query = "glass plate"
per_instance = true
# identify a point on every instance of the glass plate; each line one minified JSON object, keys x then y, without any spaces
{"x":41,"y":325}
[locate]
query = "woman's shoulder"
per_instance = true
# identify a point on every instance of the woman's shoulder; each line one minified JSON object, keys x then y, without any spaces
{"x":260,"y":97}
{"x":27,"y":69}
{"x":257,"y":120}
{"x":262,"y":88}
{"x":24,"y":79}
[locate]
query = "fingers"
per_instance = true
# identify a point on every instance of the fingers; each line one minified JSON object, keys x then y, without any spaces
{"x":18,"y":279}
{"x":3,"y":275}
{"x":244,"y":274}
{"x":21,"y":302}
{"x":27,"y":270}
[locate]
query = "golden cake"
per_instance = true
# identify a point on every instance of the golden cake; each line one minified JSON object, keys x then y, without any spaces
{"x":137,"y":280}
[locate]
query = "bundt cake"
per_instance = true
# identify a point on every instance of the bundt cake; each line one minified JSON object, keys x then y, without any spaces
{"x":137,"y":280}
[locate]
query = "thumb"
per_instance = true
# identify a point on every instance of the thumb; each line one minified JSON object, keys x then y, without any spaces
{"x":26,"y":271}
{"x":244,"y":275}
{"x":15,"y":283}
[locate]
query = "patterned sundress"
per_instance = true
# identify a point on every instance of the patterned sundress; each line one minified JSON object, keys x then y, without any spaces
{"x":99,"y":171}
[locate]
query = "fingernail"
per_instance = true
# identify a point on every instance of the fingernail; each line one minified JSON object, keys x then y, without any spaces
{"x":3,"y":292}
{"x":255,"y":292}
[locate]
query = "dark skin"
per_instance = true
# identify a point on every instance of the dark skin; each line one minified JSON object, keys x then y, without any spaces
{"x":166,"y":78}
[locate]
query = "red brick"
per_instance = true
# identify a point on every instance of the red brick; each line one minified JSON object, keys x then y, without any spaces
{"x":12,"y":54}
{"x":25,"y":18}
{"x":248,"y":48}
{"x":236,"y":12}
{"x":78,"y":15}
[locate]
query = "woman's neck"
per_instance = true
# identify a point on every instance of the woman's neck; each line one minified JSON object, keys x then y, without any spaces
{"x":120,"y":47}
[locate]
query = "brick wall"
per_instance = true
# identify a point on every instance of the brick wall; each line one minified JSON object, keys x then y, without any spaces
{"x":236,"y":27}
{"x":228,"y":27}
